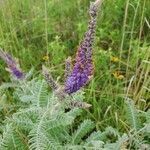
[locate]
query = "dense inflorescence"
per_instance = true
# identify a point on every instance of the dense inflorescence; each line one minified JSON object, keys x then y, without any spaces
{"x":13,"y":66}
{"x":83,"y":67}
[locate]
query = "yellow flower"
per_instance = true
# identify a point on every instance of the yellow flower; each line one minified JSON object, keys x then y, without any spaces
{"x":118,"y":75}
{"x":114,"y":59}
{"x":46,"y":58}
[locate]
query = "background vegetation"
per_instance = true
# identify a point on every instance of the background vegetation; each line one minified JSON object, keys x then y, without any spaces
{"x":47,"y":32}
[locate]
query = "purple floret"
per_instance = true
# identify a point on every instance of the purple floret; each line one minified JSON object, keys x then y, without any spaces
{"x":79,"y":77}
{"x":17,"y":73}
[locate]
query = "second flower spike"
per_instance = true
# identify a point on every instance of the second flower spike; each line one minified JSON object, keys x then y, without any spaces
{"x":12,"y":65}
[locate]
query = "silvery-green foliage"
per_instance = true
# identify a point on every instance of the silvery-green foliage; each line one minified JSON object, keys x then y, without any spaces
{"x":139,"y":133}
{"x":42,"y":123}
{"x":12,"y":139}
{"x":119,"y":144}
{"x":85,"y":127}
{"x":34,"y":92}
{"x":132,"y":115}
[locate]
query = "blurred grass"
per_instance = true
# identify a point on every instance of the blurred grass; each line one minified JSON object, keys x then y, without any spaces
{"x":31,"y":29}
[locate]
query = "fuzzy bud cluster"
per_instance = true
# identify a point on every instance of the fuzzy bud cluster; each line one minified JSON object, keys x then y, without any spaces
{"x":49,"y":78}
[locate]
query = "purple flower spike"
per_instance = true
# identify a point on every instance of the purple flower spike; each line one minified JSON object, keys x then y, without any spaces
{"x":13,"y":66}
{"x":83,"y":67}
